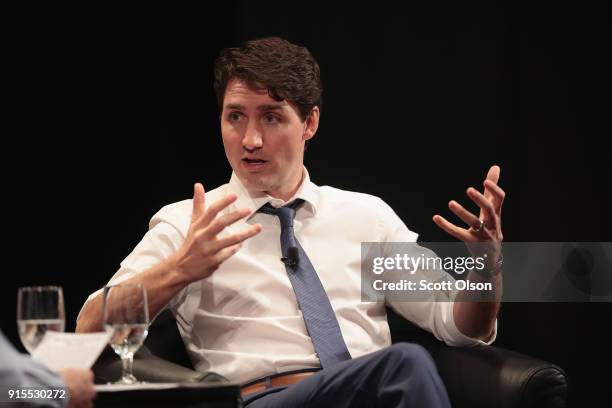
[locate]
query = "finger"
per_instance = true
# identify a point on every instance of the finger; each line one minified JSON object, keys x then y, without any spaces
{"x":487,"y":211}
{"x":460,"y":211}
{"x":224,"y":254}
{"x":493,"y":176}
{"x":220,"y":223}
{"x":199,"y":200}
{"x":215,"y":208}
{"x":460,"y":233}
{"x":498,"y":194}
{"x":237,"y":238}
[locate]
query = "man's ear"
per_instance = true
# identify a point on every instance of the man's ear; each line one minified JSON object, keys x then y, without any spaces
{"x":311,"y":123}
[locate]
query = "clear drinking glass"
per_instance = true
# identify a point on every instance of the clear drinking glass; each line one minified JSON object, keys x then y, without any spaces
{"x":126,"y":318}
{"x":39,"y":308}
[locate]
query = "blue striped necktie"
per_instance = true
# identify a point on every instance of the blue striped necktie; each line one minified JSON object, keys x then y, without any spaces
{"x":319,"y":316}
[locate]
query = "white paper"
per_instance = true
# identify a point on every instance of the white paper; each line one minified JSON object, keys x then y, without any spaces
{"x":140,"y":386}
{"x":70,"y":350}
{"x":158,"y":386}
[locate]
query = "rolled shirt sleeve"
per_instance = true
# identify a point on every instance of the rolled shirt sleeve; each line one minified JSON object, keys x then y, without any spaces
{"x":165,"y":236}
{"x":435,"y":315}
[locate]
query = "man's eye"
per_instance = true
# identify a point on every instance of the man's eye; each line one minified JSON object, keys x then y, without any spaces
{"x":234,"y":117}
{"x":271,"y":119}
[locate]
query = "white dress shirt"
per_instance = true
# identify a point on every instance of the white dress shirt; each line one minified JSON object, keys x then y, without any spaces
{"x":243,"y":321}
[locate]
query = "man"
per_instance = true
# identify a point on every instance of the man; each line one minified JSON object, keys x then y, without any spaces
{"x":20,"y":373}
{"x":273,"y":323}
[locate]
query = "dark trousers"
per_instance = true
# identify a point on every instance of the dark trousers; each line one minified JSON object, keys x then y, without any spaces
{"x":402,"y":375}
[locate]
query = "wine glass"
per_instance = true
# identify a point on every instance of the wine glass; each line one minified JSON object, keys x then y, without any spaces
{"x":39,"y":308}
{"x":126,"y":318}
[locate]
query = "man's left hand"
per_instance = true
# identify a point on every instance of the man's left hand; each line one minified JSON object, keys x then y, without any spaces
{"x":484,"y":235}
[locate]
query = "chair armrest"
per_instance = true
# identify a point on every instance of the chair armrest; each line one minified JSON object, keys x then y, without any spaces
{"x":489,"y":376}
{"x":150,"y":368}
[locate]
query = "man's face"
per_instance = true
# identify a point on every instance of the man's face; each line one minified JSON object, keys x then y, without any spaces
{"x":264,"y":139}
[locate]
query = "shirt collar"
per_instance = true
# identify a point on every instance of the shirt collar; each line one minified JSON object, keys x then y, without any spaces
{"x":253,"y":200}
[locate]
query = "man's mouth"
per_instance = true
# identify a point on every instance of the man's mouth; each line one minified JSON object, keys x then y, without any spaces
{"x":254,"y":161}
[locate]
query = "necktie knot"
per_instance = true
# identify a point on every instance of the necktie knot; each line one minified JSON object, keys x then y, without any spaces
{"x":288,"y":242}
{"x":285,"y":214}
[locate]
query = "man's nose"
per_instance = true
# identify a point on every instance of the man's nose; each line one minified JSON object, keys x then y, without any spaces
{"x":253,"y":138}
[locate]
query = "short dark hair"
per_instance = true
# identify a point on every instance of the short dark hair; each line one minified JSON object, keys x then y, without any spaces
{"x":287,"y":71}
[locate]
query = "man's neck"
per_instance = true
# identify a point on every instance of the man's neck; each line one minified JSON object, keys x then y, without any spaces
{"x":286,"y":195}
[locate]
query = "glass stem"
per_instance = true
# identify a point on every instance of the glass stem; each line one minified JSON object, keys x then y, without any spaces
{"x":127,"y":362}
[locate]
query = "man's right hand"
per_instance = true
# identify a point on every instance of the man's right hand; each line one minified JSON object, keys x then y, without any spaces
{"x":203,"y":252}
{"x":199,"y":256}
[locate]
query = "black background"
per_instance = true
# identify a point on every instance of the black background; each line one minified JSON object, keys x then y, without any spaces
{"x":120,"y":119}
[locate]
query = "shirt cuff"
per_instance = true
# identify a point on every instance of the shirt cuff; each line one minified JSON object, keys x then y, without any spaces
{"x":457,"y":338}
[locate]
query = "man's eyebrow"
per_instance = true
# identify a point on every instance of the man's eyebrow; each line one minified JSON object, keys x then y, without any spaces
{"x":270,"y":107}
{"x":238,"y":106}
{"x":235,"y":106}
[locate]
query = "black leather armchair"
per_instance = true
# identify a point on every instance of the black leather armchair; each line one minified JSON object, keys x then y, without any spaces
{"x":488,"y":376}
{"x":475,"y":377}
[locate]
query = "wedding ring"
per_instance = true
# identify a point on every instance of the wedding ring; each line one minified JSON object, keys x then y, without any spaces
{"x":480,"y":226}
